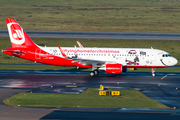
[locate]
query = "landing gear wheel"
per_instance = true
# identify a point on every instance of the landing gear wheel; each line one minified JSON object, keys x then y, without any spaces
{"x":153,"y":72}
{"x":92,"y":73}
{"x":96,"y":72}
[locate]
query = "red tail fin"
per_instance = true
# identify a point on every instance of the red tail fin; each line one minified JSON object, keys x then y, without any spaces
{"x":18,"y":37}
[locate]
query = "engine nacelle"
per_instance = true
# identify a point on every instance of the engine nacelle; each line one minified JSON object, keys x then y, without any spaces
{"x":114,"y":68}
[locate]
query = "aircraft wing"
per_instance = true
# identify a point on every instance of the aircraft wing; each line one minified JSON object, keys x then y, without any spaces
{"x":95,"y":63}
{"x":89,"y":61}
{"x":82,"y":61}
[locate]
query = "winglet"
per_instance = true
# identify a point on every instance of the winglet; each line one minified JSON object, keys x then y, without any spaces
{"x":62,"y":52}
{"x":79,"y":44}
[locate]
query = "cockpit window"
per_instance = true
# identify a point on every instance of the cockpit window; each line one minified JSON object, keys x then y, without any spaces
{"x":166,"y":55}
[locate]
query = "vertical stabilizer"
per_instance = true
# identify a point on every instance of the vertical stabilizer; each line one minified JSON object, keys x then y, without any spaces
{"x":18,"y":37}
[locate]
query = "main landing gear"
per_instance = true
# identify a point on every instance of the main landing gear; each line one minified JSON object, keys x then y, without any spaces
{"x":153,"y":72}
{"x":94,"y":73}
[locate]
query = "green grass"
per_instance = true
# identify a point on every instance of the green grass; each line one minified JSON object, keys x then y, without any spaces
{"x":89,"y":98}
{"x":37,"y":67}
{"x":93,"y":15}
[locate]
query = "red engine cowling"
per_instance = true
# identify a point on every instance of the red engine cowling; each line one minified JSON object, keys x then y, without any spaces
{"x":114,"y":68}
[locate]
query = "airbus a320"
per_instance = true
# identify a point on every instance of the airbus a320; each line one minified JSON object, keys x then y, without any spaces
{"x":111,"y":60}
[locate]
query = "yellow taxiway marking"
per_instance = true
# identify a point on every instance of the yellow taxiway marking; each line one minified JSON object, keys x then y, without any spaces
{"x":163,"y":77}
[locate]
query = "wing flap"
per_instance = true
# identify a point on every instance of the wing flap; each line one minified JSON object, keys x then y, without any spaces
{"x":98,"y":63}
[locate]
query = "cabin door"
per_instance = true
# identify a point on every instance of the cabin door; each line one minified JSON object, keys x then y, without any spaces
{"x":153,"y":57}
{"x":38,"y":53}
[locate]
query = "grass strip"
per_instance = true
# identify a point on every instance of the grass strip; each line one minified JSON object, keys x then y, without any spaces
{"x":93,"y":15}
{"x":89,"y":98}
{"x":36,"y":67}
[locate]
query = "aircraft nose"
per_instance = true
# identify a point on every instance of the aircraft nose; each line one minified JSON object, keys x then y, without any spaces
{"x":173,"y":61}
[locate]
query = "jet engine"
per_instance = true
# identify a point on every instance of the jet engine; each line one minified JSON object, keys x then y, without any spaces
{"x":113,"y":68}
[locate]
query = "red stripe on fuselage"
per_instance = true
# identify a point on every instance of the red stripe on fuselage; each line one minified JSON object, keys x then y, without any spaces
{"x":43,"y":57}
{"x":138,"y":66}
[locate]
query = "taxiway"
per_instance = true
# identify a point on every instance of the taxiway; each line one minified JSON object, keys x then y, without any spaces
{"x":98,"y":35}
{"x":165,"y":90}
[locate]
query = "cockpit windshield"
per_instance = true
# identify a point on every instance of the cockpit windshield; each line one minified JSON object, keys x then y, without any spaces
{"x":166,"y":55}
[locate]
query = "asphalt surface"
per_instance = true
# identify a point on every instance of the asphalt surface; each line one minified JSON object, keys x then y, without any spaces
{"x":18,"y":113}
{"x":98,"y":35}
{"x":164,"y":88}
{"x":113,"y":115}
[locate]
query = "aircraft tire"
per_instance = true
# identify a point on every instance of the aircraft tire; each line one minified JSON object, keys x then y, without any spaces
{"x":92,"y":73}
{"x":96,"y":72}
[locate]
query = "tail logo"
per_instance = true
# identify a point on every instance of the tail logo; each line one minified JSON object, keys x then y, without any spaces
{"x":16,"y":33}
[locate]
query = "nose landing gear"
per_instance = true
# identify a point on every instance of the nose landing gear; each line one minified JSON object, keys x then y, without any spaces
{"x":153,"y":72}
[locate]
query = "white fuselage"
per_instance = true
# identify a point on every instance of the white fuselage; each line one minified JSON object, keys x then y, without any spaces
{"x":130,"y":57}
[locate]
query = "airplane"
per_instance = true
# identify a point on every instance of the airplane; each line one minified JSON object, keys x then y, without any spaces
{"x":111,"y":60}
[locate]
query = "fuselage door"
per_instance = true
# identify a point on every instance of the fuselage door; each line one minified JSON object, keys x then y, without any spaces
{"x":153,"y":57}
{"x":37,"y":53}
